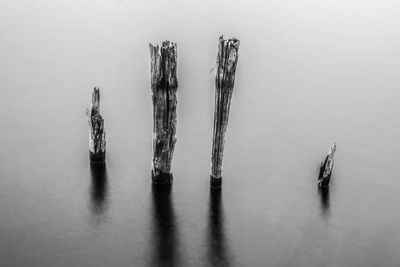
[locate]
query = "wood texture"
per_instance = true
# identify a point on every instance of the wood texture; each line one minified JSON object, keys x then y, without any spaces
{"x":164,"y":86}
{"x":325,"y":170}
{"x":224,"y":81}
{"x":97,"y":135}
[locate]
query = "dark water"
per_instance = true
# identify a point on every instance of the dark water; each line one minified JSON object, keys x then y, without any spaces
{"x":309,"y":74}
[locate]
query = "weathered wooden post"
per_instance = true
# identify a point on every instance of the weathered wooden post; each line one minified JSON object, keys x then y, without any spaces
{"x":325,"y":170}
{"x":224,"y":81}
{"x":164,"y":84}
{"x":97,"y":135}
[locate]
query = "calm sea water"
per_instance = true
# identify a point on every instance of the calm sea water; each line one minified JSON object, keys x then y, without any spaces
{"x":309,"y":74}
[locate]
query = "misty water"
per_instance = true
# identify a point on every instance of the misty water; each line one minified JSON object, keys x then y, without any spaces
{"x":309,"y":74}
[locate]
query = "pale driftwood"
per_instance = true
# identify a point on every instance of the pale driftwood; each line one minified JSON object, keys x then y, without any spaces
{"x":325,"y":170}
{"x":164,"y":85}
{"x":224,"y":82}
{"x":97,"y":135}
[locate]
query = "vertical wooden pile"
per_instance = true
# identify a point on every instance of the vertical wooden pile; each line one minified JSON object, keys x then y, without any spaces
{"x":325,"y":170}
{"x":97,"y":135}
{"x":224,"y":81}
{"x":164,"y":85}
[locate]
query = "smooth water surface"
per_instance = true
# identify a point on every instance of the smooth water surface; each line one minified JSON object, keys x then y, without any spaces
{"x":310,"y":73}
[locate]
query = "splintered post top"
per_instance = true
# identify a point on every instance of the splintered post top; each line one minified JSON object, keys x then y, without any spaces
{"x":226,"y":62}
{"x":164,"y":65}
{"x":96,"y":98}
{"x":234,"y":42}
{"x":229,"y":49}
{"x":332,"y":150}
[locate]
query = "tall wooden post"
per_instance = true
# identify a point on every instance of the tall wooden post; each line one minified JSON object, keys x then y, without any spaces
{"x":164,"y":84}
{"x":325,"y":170}
{"x":224,"y":81}
{"x":97,"y":135}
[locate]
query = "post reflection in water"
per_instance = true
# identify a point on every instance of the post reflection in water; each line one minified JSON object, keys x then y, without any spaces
{"x":164,"y":247}
{"x":324,"y":198}
{"x":98,"y":191}
{"x":217,"y":247}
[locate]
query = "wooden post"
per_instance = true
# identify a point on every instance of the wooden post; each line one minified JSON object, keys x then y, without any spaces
{"x":224,"y":81}
{"x":164,"y":84}
{"x":97,"y":135}
{"x":325,"y":170}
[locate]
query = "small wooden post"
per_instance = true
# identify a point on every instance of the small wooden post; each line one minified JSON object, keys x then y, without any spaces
{"x":224,"y":81}
{"x":97,"y":135}
{"x":325,"y":170}
{"x":164,"y":84}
